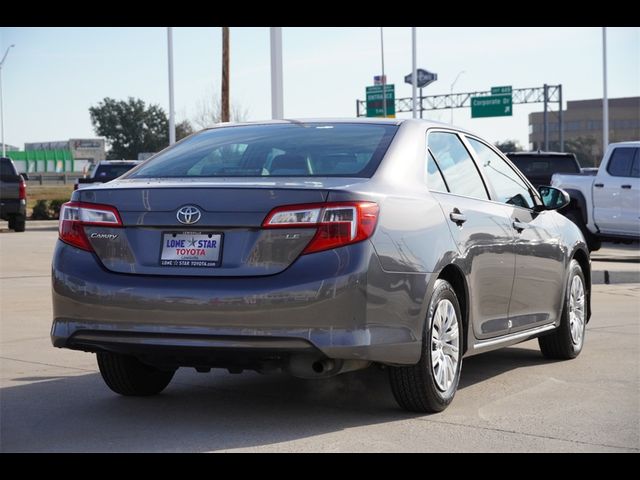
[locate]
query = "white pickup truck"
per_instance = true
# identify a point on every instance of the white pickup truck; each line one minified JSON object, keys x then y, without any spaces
{"x":607,"y":206}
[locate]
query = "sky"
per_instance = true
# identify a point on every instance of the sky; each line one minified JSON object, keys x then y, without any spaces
{"x":53,"y":75}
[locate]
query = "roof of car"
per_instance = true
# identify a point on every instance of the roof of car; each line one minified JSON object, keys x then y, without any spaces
{"x":540,"y":153}
{"x":116,"y":162}
{"x":364,"y":120}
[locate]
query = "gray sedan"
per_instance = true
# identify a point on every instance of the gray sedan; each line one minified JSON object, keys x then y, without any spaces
{"x":318,"y":247}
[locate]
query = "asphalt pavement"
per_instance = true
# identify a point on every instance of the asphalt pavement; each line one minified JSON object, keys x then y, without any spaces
{"x":54,"y":400}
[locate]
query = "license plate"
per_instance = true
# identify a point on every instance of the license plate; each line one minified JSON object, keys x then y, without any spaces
{"x":191,"y":249}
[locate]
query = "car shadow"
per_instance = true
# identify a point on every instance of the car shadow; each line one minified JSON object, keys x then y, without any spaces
{"x":209,"y":412}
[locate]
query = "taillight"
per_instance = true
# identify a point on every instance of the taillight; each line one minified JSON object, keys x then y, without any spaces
{"x":337,"y":223}
{"x":74,"y":216}
{"x":22,"y":189}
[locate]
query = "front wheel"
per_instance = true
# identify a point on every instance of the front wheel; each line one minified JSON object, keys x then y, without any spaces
{"x":127,"y":375}
{"x":430,"y":385}
{"x":567,"y":340}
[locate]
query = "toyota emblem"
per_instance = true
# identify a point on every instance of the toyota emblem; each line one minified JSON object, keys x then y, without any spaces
{"x":189,"y":215}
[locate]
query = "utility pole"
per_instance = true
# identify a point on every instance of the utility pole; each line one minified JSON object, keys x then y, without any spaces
{"x":4,"y":148}
{"x":172,"y":113}
{"x":277,"y":103}
{"x":605,"y":98}
{"x":224,"y":114}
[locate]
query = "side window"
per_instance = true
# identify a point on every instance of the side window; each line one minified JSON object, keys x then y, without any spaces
{"x":635,"y":168}
{"x":457,"y":167}
{"x":509,"y":187}
{"x":620,"y":162}
{"x":435,"y":182}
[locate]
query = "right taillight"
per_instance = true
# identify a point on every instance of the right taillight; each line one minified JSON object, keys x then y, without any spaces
{"x":337,"y":223}
{"x":22,"y":190}
{"x":74,"y":216}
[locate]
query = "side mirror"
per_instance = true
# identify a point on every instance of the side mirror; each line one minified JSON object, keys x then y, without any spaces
{"x":24,"y":176}
{"x":554,"y":198}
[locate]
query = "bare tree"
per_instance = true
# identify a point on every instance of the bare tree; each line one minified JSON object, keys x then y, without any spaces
{"x":208,"y":112}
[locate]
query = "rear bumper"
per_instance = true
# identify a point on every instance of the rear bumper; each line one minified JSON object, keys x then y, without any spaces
{"x":12,"y":207}
{"x":324,"y":303}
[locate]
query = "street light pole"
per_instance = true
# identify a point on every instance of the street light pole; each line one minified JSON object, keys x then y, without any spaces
{"x":172,"y":121}
{"x":451,"y":91}
{"x":277,"y":95}
{"x":414,"y":73}
{"x":605,"y":98}
{"x":4,"y":148}
{"x":384,"y":80}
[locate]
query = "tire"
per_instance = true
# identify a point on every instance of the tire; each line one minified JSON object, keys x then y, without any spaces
{"x":563,"y":343}
{"x":593,"y":242}
{"x":18,"y":223}
{"x":419,"y":388}
{"x":128,"y":376}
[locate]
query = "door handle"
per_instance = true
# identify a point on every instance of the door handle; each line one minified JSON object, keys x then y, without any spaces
{"x":626,"y":186}
{"x":457,"y":217}
{"x":519,"y":226}
{"x":598,"y":185}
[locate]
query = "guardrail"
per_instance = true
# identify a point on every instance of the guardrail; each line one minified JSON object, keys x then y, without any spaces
{"x":64,"y":178}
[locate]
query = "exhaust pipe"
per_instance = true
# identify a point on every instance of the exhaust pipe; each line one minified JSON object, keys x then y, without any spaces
{"x":305,"y":366}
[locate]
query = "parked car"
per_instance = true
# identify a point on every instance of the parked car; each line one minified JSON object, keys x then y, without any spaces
{"x":607,"y":206}
{"x":318,"y":247}
{"x":539,"y":166}
{"x":105,"y":171}
{"x":13,"y":195}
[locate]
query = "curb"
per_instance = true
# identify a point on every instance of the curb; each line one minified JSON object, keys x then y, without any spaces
{"x":608,"y":277}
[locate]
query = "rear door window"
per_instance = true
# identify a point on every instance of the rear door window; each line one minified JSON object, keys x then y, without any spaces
{"x":457,"y":166}
{"x":621,"y":162}
{"x":435,"y":182}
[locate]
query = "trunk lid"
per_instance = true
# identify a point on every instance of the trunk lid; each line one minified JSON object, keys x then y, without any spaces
{"x":231,"y":213}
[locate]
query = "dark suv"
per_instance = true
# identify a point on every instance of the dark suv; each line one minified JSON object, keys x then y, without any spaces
{"x":13,"y":195}
{"x":539,"y":166}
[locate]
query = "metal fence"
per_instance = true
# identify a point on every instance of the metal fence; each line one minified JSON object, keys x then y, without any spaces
{"x":53,"y":178}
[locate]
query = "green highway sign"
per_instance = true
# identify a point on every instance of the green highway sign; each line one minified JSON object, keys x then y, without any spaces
{"x":375,"y":103}
{"x":501,"y":90}
{"x":491,"y":106}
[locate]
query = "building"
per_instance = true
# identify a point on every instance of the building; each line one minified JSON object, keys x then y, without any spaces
{"x":73,"y":155}
{"x":583,"y":124}
{"x":8,"y":148}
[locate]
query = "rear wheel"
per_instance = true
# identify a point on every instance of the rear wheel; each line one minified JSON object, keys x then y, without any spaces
{"x":593,"y":242}
{"x":17,"y":223}
{"x":567,"y":340}
{"x":430,"y":385}
{"x":127,"y":375}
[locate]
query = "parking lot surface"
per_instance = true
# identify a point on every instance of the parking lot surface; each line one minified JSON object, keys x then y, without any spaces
{"x":54,"y":400}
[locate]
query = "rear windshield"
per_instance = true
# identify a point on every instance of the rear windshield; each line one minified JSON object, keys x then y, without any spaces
{"x":540,"y":164}
{"x":7,"y":169}
{"x":275,"y":150}
{"x":110,"y":172}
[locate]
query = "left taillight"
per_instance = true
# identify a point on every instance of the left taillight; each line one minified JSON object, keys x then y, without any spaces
{"x":337,"y":223}
{"x":74,"y":216}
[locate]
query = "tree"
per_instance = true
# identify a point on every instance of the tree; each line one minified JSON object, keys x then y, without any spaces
{"x":183,"y":129}
{"x":508,"y":146}
{"x":132,"y":127}
{"x":585,"y":149}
